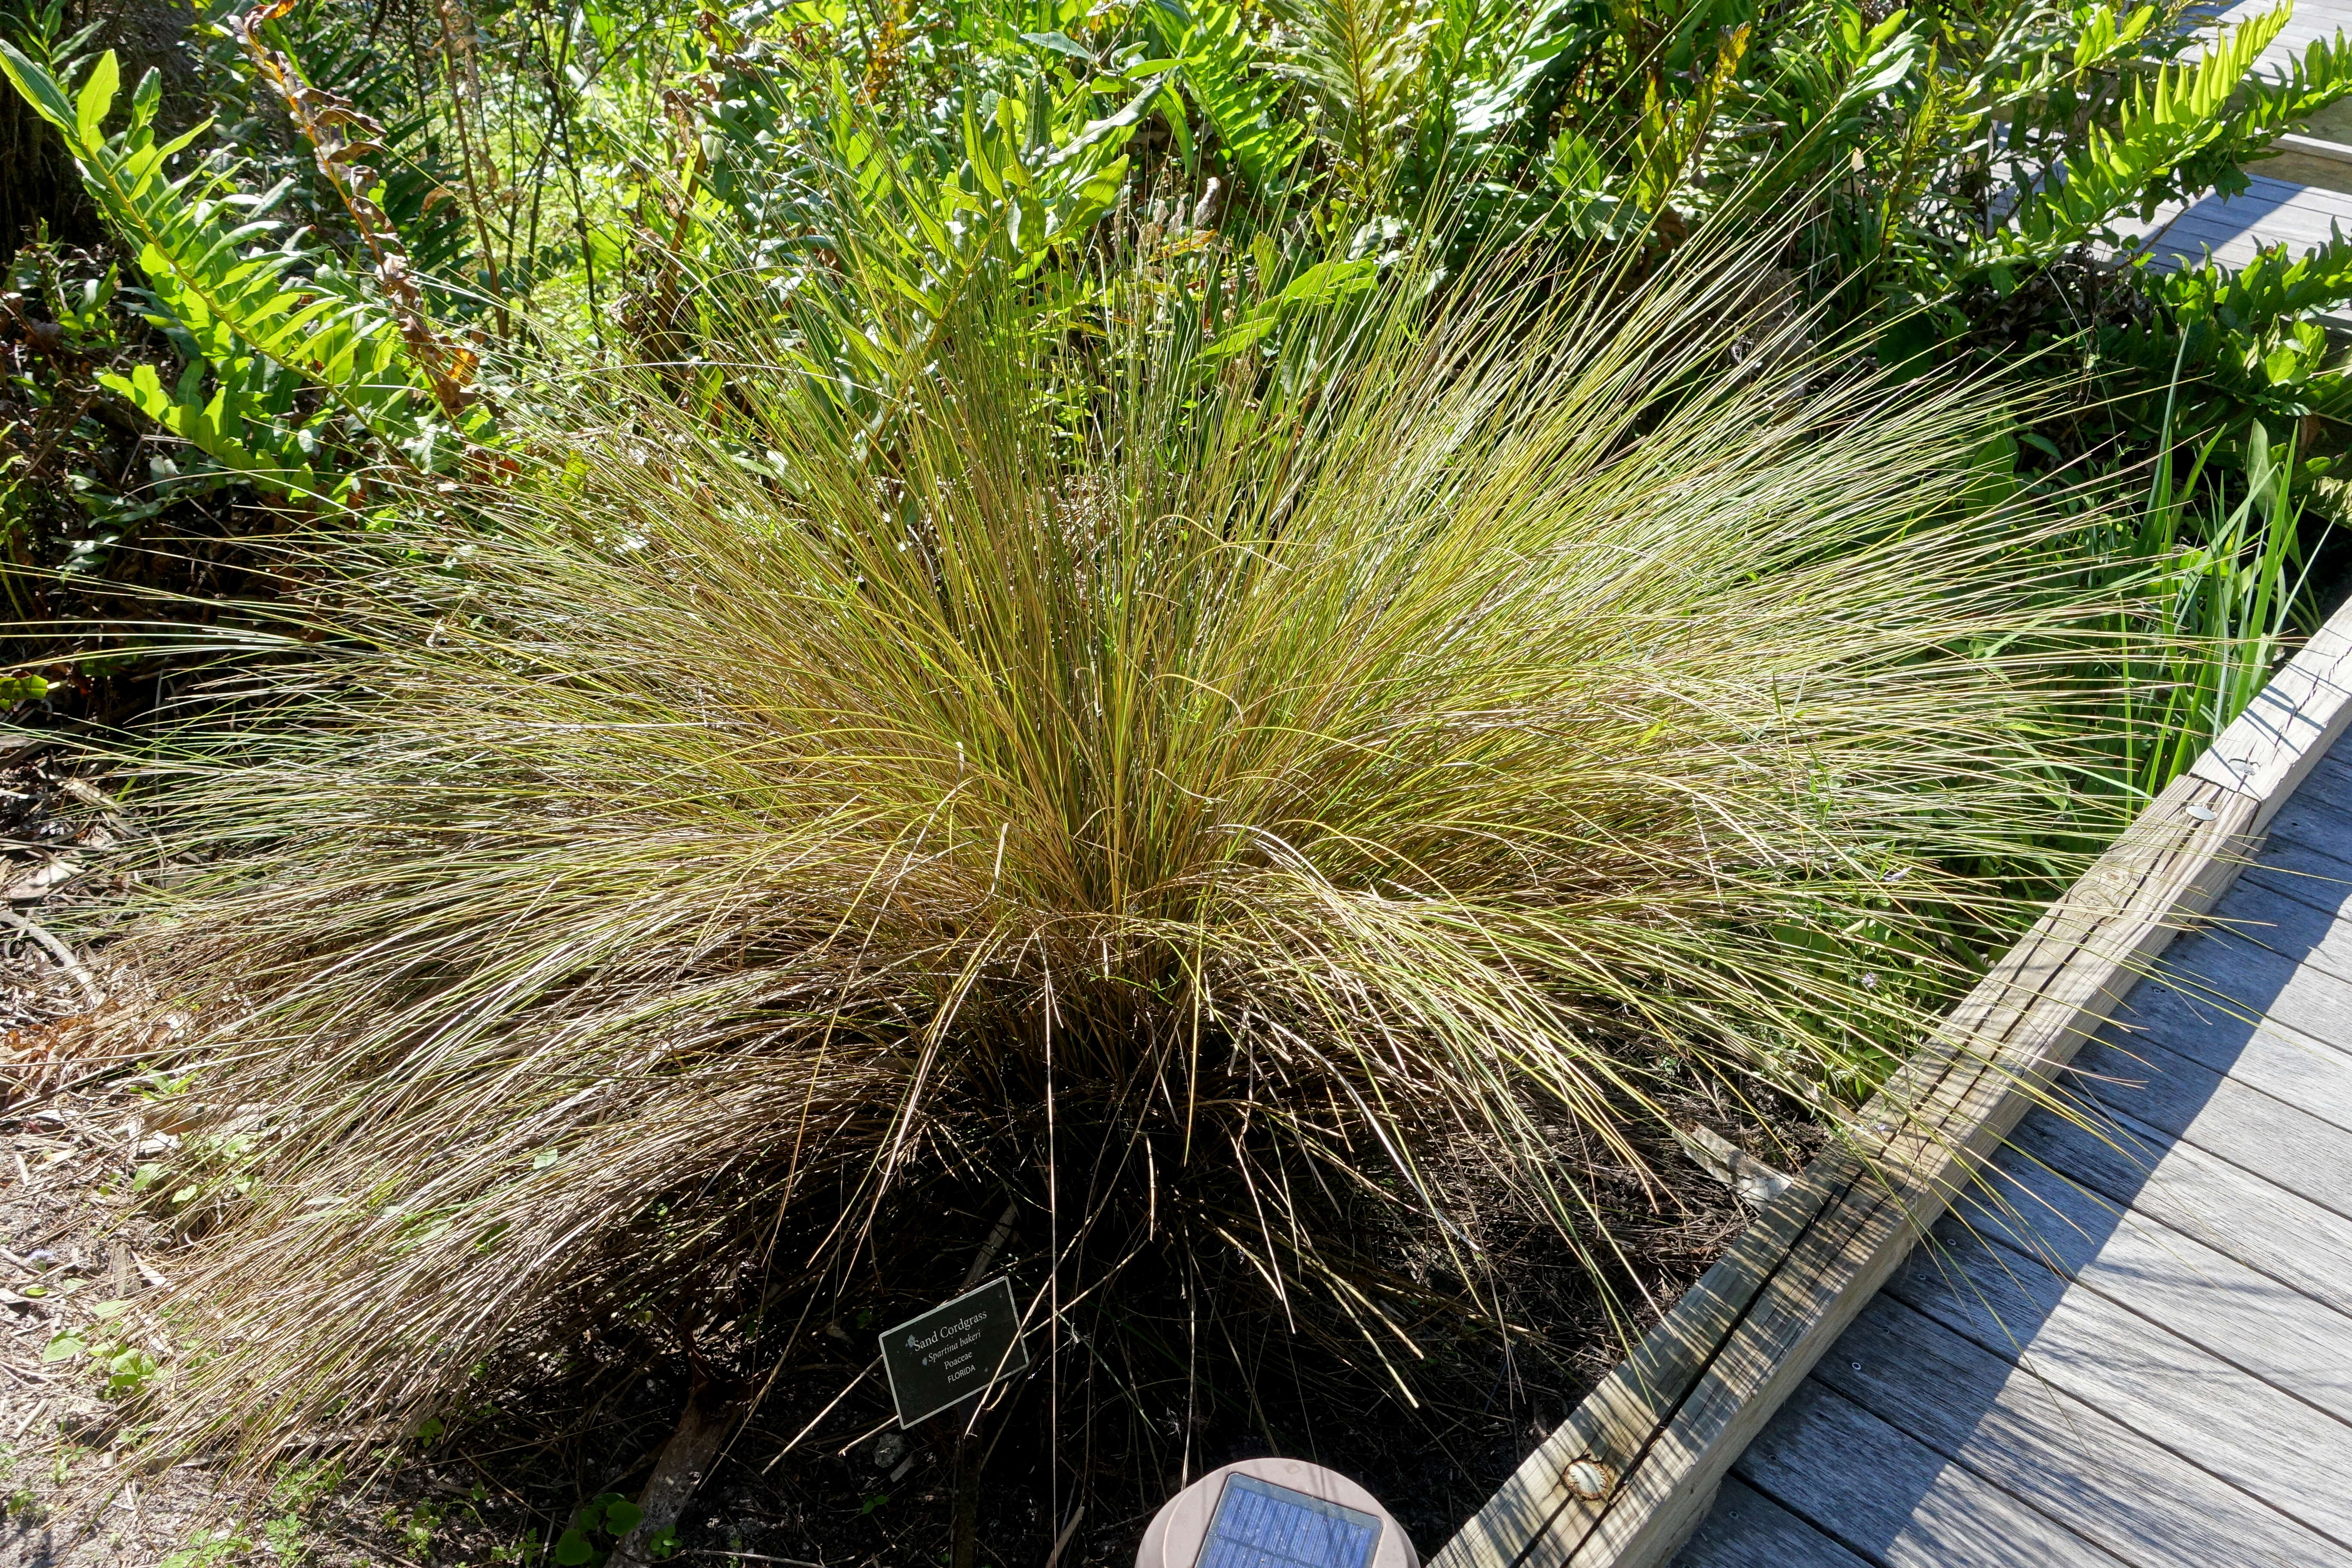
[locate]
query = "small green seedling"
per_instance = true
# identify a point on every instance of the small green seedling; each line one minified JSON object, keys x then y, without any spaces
{"x":126,"y":1366}
{"x":523,"y":1550}
{"x":607,"y":1514}
{"x":215,"y":1550}
{"x":416,"y":1530}
{"x":20,"y":1504}
{"x":301,"y":1487}
{"x":285,"y":1539}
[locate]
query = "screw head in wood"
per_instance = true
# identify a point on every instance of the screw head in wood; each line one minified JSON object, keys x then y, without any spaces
{"x":1589,"y":1479}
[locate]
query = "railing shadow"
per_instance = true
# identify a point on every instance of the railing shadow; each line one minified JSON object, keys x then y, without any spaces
{"x":2213,"y":220}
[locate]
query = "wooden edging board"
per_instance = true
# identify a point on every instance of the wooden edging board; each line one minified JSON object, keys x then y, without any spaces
{"x":1632,"y":1471}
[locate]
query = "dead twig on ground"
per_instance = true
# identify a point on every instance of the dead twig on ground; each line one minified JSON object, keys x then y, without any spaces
{"x":57,"y":950}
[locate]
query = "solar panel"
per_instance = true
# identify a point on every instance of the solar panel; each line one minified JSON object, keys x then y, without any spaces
{"x":1260,"y":1525}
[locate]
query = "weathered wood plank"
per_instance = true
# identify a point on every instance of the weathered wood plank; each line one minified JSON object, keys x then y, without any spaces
{"x":2319,"y":813}
{"x":2141,"y":1375}
{"x":2287,"y":1063}
{"x":2256,"y":1131}
{"x":2307,"y":853}
{"x":2264,"y":999}
{"x":1516,"y":1521}
{"x":2301,"y":871}
{"x":1895,"y":1500}
{"x":2273,"y":1233}
{"x":2276,"y":916}
{"x":2337,"y":757}
{"x":1749,"y":1529}
{"x":2288,"y":1339}
{"x":2250,"y":957}
{"x":2281,"y":909}
{"x":2225,"y":1002}
{"x":2052,"y":1451}
{"x":2297,"y":868}
{"x":2234,"y":228}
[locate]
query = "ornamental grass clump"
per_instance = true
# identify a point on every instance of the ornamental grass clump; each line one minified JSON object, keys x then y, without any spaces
{"x":1178,"y":793}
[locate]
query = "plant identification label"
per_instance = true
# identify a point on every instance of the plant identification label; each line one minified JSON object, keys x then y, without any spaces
{"x":955,"y":1351}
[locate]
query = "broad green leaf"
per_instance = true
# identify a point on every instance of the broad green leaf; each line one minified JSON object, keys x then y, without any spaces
{"x":40,"y":88}
{"x":97,"y":96}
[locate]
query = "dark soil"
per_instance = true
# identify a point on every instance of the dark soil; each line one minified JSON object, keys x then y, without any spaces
{"x":1077,"y":1454}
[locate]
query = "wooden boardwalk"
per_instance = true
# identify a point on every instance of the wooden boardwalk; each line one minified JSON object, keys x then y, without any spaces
{"x":2141,"y":1353}
{"x":2136,"y":1347}
{"x":2273,"y":211}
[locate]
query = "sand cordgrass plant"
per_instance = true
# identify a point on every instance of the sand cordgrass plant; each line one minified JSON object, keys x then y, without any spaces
{"x":1286,"y":781}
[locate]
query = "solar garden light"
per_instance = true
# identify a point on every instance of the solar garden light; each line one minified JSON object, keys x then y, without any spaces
{"x":1275,"y":1513}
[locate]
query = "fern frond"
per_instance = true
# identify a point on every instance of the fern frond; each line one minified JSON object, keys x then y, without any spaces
{"x":2160,"y":144}
{"x":1224,"y":77}
{"x":2276,"y":286}
{"x":244,"y":304}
